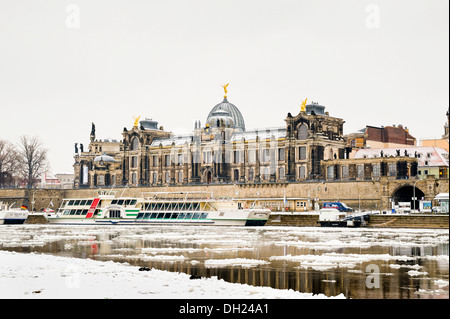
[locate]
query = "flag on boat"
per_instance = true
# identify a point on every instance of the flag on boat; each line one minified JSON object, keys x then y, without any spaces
{"x":23,"y":207}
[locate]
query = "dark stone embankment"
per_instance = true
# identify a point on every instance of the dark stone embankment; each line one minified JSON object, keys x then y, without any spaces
{"x":382,"y":220}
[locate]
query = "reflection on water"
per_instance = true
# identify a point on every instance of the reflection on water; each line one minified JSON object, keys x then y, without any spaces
{"x":360,"y":263}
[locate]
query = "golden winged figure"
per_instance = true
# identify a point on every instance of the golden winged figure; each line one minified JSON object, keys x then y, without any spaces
{"x":225,"y":89}
{"x":303,"y":107}
{"x":136,"y":120}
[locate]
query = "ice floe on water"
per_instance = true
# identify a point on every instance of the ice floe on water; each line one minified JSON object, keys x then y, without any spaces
{"x":234,"y":262}
{"x":44,"y":276}
{"x":334,"y":260}
{"x":417,"y":254}
{"x":417,"y":273}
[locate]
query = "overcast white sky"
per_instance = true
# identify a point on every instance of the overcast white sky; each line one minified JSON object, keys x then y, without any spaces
{"x":65,"y":64}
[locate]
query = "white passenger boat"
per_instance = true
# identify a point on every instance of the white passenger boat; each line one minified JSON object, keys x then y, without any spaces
{"x":192,"y":208}
{"x":9,"y":215}
{"x":104,"y":208}
{"x":198,"y":208}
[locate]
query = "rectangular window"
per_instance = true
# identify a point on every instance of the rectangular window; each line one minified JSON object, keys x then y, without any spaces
{"x":302,"y":152}
{"x":360,"y":171}
{"x":344,"y":171}
{"x":376,"y":170}
{"x":101,"y":180}
{"x":250,"y":174}
{"x":281,"y":154}
{"x":330,"y":172}
{"x":237,"y":157}
{"x":167,"y":160}
{"x":301,"y":172}
{"x":266,"y":173}
{"x":281,"y":174}
{"x":265,"y":155}
{"x":155,"y":161}
{"x":251,"y":156}
{"x":134,"y":161}
{"x":392,"y":169}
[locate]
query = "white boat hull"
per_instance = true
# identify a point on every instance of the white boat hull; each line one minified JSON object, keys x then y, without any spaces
{"x":251,"y":217}
{"x":13,"y":217}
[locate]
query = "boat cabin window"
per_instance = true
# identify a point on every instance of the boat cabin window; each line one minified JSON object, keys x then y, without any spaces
{"x":167,"y":207}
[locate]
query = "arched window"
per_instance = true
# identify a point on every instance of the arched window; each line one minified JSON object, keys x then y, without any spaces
{"x":302,"y":132}
{"x":135,"y":144}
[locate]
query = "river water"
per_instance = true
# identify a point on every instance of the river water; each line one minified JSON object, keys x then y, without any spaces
{"x":364,"y":263}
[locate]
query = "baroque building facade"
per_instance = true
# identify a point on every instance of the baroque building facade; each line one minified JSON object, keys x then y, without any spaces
{"x":220,"y":151}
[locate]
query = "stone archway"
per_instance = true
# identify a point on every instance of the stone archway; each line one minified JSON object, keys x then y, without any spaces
{"x":406,"y":193}
{"x":207,"y":176}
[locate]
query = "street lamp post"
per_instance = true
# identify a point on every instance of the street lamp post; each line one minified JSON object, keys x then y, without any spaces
{"x":414,"y":196}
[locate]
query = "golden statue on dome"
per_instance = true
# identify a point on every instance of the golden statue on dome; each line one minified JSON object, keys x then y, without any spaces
{"x":303,"y":107}
{"x":225,"y":89}
{"x":136,"y":120}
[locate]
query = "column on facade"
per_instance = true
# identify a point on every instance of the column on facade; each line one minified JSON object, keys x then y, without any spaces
{"x":243,"y":159}
{"x":258,"y":163}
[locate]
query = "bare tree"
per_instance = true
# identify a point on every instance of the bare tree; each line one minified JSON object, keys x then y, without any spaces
{"x":32,"y":158}
{"x":9,"y":163}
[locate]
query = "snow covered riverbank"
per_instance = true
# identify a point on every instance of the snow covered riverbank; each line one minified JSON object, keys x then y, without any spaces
{"x":46,"y":276}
